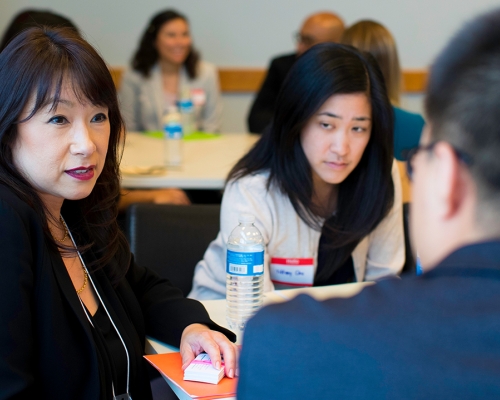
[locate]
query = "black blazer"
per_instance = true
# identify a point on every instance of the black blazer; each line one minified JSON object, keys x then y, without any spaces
{"x":46,"y":344}
{"x":262,"y":110}
{"x":436,"y":336}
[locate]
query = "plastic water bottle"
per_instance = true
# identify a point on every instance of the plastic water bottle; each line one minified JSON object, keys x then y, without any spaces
{"x":186,"y":109}
{"x":173,"y":134}
{"x":245,"y":272}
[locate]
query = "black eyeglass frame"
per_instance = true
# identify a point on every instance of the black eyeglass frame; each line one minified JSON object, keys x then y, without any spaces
{"x":306,"y":40}
{"x":461,"y":155}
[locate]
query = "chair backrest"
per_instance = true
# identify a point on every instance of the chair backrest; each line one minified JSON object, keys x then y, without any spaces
{"x":171,"y":239}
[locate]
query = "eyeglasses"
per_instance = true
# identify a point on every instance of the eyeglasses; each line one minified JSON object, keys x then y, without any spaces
{"x":410,"y":156}
{"x":304,"y":39}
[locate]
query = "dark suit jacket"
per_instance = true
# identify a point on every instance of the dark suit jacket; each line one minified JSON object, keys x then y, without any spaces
{"x":436,"y":336}
{"x":46,"y":344}
{"x":262,"y":109}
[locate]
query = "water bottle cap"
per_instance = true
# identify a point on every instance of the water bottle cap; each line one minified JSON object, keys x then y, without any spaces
{"x":246,"y":219}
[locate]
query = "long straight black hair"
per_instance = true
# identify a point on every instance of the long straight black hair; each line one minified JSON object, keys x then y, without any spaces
{"x":37,"y":64}
{"x":367,"y":194}
{"x":146,"y":55}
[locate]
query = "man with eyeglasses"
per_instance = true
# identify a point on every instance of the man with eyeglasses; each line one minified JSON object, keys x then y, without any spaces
{"x":434,"y":336}
{"x":317,"y":28}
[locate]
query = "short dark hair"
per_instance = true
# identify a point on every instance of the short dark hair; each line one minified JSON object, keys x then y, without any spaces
{"x":367,"y":194}
{"x":35,"y":65}
{"x":30,"y":18}
{"x":463,"y":98}
{"x":146,"y":56}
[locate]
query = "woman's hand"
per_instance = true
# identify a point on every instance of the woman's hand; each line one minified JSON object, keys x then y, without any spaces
{"x":197,"y":338}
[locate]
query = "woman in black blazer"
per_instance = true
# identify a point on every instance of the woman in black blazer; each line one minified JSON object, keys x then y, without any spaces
{"x":74,"y":307}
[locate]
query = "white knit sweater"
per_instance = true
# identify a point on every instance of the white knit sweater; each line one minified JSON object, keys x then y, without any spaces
{"x":286,"y":235}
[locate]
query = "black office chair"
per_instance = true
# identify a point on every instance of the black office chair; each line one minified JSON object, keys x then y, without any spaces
{"x":409,"y":267}
{"x":171,"y":239}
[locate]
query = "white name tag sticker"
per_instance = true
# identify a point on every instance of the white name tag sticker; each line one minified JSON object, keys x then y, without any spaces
{"x":292,"y":271}
{"x":199,"y":97}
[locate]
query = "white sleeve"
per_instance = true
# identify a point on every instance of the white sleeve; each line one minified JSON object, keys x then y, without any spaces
{"x":128,"y":96}
{"x":246,"y":195}
{"x":386,"y":253}
{"x":212,"y":110}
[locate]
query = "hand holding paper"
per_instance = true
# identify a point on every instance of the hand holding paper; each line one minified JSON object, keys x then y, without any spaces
{"x":197,"y":339}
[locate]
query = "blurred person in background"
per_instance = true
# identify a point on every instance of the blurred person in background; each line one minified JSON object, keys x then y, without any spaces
{"x":317,"y":28}
{"x":165,"y":69}
{"x":32,"y":17}
{"x":376,"y":39}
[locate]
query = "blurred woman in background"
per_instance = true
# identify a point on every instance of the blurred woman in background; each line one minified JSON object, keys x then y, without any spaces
{"x":374,"y":38}
{"x":165,"y":69}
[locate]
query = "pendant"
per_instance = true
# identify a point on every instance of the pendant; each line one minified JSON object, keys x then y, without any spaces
{"x":124,"y":396}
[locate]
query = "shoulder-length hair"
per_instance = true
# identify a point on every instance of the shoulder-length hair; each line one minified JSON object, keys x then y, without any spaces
{"x":367,"y":194}
{"x":36,"y":65}
{"x":376,"y":39}
{"x":146,"y":56}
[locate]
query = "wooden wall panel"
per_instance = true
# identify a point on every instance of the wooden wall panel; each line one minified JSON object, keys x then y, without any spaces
{"x":248,"y":80}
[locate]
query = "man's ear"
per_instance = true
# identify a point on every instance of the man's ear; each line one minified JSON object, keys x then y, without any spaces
{"x":448,"y":183}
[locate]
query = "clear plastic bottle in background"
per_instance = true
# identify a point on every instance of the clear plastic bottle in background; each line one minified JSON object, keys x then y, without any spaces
{"x":173,"y":134}
{"x":245,"y":272}
{"x":186,"y":109}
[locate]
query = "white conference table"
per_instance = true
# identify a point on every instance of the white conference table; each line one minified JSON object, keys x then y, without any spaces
{"x":206,"y":161}
{"x":217,"y":311}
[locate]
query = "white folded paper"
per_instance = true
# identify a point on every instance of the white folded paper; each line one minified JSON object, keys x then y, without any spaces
{"x":201,"y":370}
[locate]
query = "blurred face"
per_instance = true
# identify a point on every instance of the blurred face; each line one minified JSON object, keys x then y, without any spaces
{"x":62,"y":151}
{"x":316,"y":30}
{"x":173,"y":41}
{"x":335,"y":138}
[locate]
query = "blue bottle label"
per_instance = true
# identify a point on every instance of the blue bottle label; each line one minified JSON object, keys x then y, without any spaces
{"x":185,"y":106}
{"x":173,"y":131}
{"x":245,"y":264}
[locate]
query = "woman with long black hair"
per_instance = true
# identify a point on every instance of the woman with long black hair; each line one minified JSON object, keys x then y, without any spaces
{"x":321,"y":181}
{"x":75,"y":307}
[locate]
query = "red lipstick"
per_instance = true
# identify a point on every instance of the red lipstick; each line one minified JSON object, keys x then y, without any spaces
{"x":81,"y":173}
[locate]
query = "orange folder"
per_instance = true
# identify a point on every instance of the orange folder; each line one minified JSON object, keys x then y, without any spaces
{"x":170,"y":365}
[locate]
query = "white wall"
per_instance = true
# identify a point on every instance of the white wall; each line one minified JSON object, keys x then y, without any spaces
{"x":250,"y":32}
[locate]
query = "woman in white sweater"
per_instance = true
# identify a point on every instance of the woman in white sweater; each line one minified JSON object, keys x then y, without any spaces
{"x":321,"y":181}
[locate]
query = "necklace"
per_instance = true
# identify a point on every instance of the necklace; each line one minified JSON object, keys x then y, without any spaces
{"x":85,"y":280}
{"x":65,"y":231}
{"x":85,"y":273}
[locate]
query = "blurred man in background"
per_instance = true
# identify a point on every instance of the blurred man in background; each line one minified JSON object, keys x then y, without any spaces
{"x":317,"y":28}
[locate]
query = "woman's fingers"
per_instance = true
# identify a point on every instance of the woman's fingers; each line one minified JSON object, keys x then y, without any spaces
{"x":197,"y":338}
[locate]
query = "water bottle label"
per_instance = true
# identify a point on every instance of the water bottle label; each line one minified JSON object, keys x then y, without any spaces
{"x":173,"y":131}
{"x":245,"y":264}
{"x":185,"y":106}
